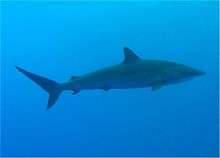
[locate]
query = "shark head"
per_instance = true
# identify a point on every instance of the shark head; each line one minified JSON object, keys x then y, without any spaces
{"x":170,"y":72}
{"x":179,"y":73}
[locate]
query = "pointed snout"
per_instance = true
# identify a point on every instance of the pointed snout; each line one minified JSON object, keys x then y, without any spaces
{"x":198,"y":72}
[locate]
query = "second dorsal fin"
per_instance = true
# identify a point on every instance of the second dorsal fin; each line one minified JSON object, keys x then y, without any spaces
{"x":130,"y":56}
{"x":73,"y":77}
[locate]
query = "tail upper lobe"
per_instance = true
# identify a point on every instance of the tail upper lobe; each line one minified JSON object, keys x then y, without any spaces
{"x":52,"y":87}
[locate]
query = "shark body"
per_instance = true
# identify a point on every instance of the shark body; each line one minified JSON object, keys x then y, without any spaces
{"x":133,"y":72}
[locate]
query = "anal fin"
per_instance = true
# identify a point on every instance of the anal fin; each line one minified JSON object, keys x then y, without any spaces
{"x":157,"y":87}
{"x":75,"y":92}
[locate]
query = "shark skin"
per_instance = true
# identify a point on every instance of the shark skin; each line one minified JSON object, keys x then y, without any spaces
{"x":133,"y":72}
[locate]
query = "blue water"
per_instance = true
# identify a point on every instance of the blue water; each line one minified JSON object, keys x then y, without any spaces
{"x":61,"y":39}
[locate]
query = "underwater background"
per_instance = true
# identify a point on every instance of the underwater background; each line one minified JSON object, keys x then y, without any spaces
{"x":61,"y":39}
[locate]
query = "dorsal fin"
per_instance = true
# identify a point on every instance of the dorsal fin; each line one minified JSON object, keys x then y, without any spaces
{"x":73,"y":77}
{"x":130,"y":56}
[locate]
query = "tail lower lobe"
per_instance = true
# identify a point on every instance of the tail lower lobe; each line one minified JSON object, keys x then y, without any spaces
{"x":52,"y":87}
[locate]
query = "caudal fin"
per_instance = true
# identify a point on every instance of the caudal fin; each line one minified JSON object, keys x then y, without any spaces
{"x":48,"y":85}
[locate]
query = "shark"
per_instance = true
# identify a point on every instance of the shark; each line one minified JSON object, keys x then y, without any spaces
{"x":132,"y":72}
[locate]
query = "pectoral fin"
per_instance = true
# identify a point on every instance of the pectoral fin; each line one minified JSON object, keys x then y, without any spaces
{"x":105,"y":88}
